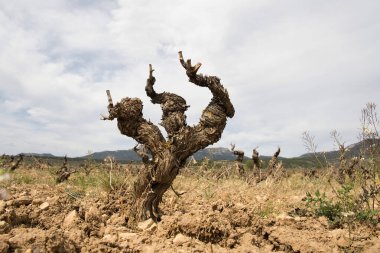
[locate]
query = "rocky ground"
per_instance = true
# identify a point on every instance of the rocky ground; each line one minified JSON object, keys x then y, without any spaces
{"x":54,"y":218}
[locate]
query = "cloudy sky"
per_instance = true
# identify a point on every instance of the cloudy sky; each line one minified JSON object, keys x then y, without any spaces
{"x":289,"y":67}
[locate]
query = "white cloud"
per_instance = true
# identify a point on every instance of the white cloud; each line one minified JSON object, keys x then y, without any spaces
{"x":288,"y":66}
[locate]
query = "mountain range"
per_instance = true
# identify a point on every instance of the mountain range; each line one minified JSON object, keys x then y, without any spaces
{"x":130,"y":155}
{"x":221,"y":153}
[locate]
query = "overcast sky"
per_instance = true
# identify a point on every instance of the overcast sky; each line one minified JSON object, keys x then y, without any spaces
{"x":289,"y":67}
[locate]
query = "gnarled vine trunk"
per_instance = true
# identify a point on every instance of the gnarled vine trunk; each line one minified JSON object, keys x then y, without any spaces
{"x":169,"y":154}
{"x":239,"y":159}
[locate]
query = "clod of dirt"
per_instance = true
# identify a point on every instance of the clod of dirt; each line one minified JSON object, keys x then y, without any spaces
{"x":144,"y":225}
{"x":4,"y":247}
{"x":375,"y":248}
{"x":93,"y":215}
{"x":4,"y":195}
{"x":181,"y":239}
{"x":24,"y":200}
{"x":116,"y":219}
{"x":247,"y":239}
{"x":324,"y":221}
{"x":53,"y":200}
{"x":285,"y":219}
{"x":127,"y":236}
{"x":70,"y":220}
{"x":44,"y":206}
{"x":343,"y":242}
{"x":4,"y":227}
{"x":37,"y":240}
{"x":109,"y":239}
{"x":3,"y":205}
{"x":207,"y":228}
{"x":37,"y":201}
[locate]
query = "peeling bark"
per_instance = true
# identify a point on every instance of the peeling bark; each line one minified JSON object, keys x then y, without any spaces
{"x":169,"y":154}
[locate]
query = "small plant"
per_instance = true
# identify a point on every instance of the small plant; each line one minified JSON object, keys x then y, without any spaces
{"x":112,"y":178}
{"x":208,"y":193}
{"x":84,"y":182}
{"x":28,"y":179}
{"x":266,"y":210}
{"x":370,"y":153}
{"x":2,"y":171}
{"x":344,"y":210}
{"x":323,"y":207}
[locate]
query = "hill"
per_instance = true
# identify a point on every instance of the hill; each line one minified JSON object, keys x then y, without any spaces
{"x":120,"y":155}
{"x":46,"y":155}
{"x":213,"y":154}
{"x":307,"y":160}
{"x":352,"y":150}
{"x":130,"y":155}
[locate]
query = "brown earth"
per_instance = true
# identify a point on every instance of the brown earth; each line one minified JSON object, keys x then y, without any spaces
{"x":210,"y":217}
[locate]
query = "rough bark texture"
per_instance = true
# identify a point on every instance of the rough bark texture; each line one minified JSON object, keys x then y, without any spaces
{"x":239,"y":153}
{"x":170,"y":154}
{"x":275,"y":168}
{"x":257,"y":164}
{"x":239,"y":159}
